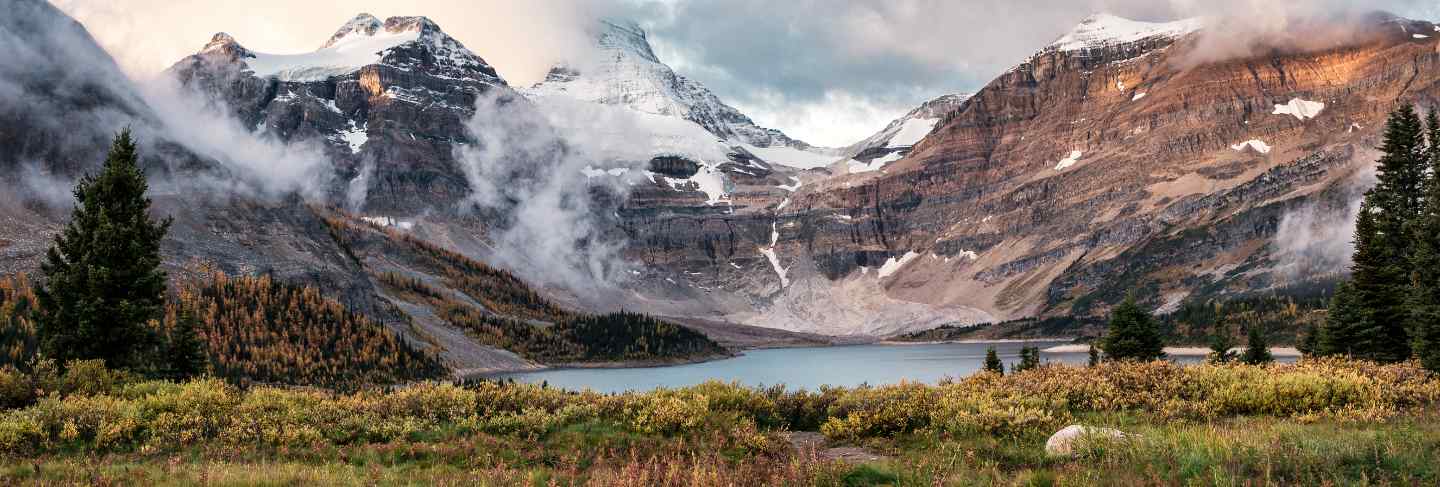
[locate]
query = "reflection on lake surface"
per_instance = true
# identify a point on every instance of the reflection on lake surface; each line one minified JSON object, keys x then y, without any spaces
{"x":809,"y":368}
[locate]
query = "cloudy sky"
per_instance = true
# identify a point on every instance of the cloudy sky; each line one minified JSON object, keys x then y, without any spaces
{"x":826,"y":71}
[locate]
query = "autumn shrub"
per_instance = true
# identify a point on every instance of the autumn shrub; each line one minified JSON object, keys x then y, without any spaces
{"x":90,"y":409}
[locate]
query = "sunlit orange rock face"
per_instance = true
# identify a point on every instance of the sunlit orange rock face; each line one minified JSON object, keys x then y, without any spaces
{"x":1154,"y":165}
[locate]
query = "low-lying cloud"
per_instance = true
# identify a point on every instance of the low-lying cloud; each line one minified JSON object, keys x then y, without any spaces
{"x":1319,"y":238}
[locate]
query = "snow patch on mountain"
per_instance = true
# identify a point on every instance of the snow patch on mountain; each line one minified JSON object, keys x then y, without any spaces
{"x":1102,"y":29}
{"x":1254,"y":144}
{"x":1300,"y":109}
{"x":912,"y":131}
{"x":708,"y":180}
{"x":1074,"y":157}
{"x":344,"y":56}
{"x":774,"y":259}
{"x":893,"y":265}
{"x":791,"y":157}
{"x":356,"y":136}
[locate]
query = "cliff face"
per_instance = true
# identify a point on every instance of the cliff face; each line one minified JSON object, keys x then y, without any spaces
{"x":1092,"y":170}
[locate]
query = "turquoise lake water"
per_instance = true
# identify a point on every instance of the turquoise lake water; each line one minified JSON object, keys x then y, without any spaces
{"x":807,"y":368}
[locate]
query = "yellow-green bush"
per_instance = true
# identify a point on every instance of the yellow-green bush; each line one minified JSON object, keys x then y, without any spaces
{"x":91,"y":410}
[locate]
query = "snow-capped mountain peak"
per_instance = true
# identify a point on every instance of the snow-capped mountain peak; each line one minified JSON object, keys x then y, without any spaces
{"x":1103,"y":29}
{"x":628,"y":37}
{"x":362,"y":25}
{"x":624,"y":71}
{"x":362,"y":41}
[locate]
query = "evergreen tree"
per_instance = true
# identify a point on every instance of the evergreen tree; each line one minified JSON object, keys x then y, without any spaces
{"x":1342,"y":324}
{"x":1257,"y":351}
{"x":103,"y":283}
{"x":1371,"y":318}
{"x":992,"y":361}
{"x":1221,"y":344}
{"x":1309,"y":343}
{"x":1424,"y":299}
{"x":1378,"y":284}
{"x":1029,"y":359}
{"x":1094,"y":355}
{"x":184,"y":354}
{"x":1133,"y":335}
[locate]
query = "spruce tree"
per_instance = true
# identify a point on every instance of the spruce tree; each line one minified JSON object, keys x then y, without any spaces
{"x":1029,"y":359}
{"x":1424,"y":299}
{"x":103,"y":284}
{"x":1309,"y":343}
{"x":1221,"y":344}
{"x":184,"y":354}
{"x":1257,"y":351}
{"x":992,"y":362}
{"x":1372,"y":318}
{"x":1094,"y":355}
{"x":1133,"y":335}
{"x":1342,"y":324}
{"x":1379,"y":290}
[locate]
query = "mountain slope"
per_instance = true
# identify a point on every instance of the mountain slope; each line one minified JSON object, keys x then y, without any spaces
{"x":1112,"y":161}
{"x":895,"y":140}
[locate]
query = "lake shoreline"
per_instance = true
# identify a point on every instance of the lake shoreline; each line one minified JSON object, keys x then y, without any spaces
{"x":975,"y":341}
{"x":1177,"y":351}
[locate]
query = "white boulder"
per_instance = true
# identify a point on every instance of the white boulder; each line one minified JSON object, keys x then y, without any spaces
{"x":1063,"y":442}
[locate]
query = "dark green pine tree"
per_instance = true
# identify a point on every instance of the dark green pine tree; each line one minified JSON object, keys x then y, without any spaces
{"x":1309,"y":343}
{"x":992,"y":362}
{"x":1371,"y":319}
{"x":1094,"y":355}
{"x":184,"y":354}
{"x":103,"y":284}
{"x":1257,"y":351}
{"x":1379,"y":290}
{"x":1133,"y":335}
{"x":1424,"y":302}
{"x":1029,"y":359}
{"x":1221,"y":344}
{"x":1343,"y":323}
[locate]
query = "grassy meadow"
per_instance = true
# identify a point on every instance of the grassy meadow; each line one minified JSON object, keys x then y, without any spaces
{"x":1318,"y":422}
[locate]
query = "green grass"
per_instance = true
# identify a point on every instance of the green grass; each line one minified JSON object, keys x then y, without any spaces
{"x":1234,"y":452}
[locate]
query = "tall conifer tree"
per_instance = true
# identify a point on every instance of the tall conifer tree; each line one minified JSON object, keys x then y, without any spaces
{"x":1133,"y":334}
{"x":1371,"y":316}
{"x":1425,"y":261}
{"x":103,"y":284}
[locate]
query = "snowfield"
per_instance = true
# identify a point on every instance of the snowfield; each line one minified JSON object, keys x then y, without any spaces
{"x":893,"y":265}
{"x":344,"y":56}
{"x":1254,"y":144}
{"x":1069,"y":161}
{"x":791,"y":157}
{"x":1300,"y":109}
{"x":1102,"y":30}
{"x":912,"y":131}
{"x":356,"y":137}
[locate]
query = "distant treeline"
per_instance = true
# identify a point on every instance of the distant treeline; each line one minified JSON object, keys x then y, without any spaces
{"x":500,"y":310}
{"x":255,"y":329}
